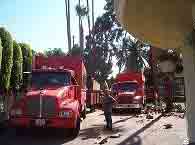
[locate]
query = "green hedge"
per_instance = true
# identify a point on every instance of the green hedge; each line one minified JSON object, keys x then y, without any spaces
{"x":27,"y":57}
{"x":17,"y":69}
{"x":7,"y":58}
{"x":0,"y":52}
{"x":27,"y":62}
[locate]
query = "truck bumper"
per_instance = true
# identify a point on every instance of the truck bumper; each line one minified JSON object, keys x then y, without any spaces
{"x":25,"y":122}
{"x":127,"y":106}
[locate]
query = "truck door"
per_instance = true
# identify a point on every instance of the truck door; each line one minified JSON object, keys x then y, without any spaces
{"x":73,"y":88}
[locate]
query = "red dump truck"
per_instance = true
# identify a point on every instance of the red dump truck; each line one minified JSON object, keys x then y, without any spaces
{"x":128,"y":90}
{"x":57,"y":96}
{"x":93,"y":94}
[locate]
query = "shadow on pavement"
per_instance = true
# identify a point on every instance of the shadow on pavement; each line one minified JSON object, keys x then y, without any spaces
{"x":35,"y":137}
{"x":136,"y":140}
{"x":134,"y":137}
{"x":122,"y":113}
{"x":123,"y":119}
{"x":98,"y":130}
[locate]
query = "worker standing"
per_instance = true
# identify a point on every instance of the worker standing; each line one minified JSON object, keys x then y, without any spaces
{"x":108,"y":101}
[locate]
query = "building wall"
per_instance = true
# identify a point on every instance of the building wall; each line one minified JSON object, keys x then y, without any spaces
{"x":193,"y":13}
{"x":164,"y":24}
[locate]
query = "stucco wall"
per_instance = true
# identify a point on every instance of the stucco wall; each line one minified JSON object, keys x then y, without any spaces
{"x":193,"y":13}
{"x":164,"y":24}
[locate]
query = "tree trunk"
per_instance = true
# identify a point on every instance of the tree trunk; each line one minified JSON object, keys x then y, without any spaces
{"x":89,"y":24}
{"x":81,"y":37}
{"x":67,"y":3}
{"x":6,"y":104}
{"x":153,"y":74}
{"x":93,"y":21}
{"x":88,"y":18}
{"x":80,"y":41}
{"x":73,"y":41}
{"x":119,"y":69}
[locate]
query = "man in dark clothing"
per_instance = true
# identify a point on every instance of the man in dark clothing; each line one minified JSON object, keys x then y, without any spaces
{"x":107,"y":107}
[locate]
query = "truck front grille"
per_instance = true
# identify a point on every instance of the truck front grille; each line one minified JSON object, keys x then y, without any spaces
{"x":33,"y":106}
{"x":47,"y":108}
{"x":125,"y":99}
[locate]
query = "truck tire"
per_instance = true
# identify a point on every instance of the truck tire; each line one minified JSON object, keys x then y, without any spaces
{"x":3,"y":128}
{"x":75,"y":131}
{"x":20,"y":131}
{"x":138,"y":110}
{"x":113,"y":110}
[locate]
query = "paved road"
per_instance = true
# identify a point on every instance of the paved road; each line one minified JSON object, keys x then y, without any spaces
{"x":133,"y":131}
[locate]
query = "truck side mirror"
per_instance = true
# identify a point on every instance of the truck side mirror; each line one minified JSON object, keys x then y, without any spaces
{"x":26,"y":80}
{"x":77,"y":91}
{"x":114,"y":93}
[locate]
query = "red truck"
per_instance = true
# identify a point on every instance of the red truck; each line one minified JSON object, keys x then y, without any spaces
{"x":56,"y":97}
{"x":128,"y":90}
{"x":93,"y":94}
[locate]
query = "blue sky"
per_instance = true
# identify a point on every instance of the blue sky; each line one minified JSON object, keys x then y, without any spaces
{"x":41,"y":23}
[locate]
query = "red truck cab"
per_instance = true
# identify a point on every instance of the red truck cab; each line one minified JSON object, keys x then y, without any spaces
{"x":57,"y":96}
{"x":128,"y":90}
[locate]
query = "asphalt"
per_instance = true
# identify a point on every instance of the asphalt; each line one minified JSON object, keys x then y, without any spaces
{"x":128,"y":129}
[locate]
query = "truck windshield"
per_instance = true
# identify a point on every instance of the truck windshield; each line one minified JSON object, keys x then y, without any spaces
{"x":130,"y":86}
{"x":41,"y":79}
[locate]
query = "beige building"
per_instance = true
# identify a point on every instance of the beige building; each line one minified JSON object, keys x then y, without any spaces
{"x":166,"y":24}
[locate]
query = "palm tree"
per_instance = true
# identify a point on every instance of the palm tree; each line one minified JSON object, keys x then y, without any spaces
{"x":67,"y":4}
{"x":138,"y":56}
{"x":81,"y":12}
{"x":121,"y":60}
{"x":131,"y":55}
{"x":88,"y":18}
{"x":93,"y":23}
{"x":77,"y":9}
{"x":93,"y":20}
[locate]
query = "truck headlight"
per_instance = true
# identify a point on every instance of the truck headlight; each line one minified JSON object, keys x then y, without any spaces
{"x":16,"y":112}
{"x":66,"y":114}
{"x":137,"y":97}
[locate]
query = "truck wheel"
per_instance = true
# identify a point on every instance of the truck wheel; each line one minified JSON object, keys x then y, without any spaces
{"x":20,"y":131}
{"x":3,"y":128}
{"x":113,"y":110}
{"x":138,"y":110}
{"x":75,"y":131}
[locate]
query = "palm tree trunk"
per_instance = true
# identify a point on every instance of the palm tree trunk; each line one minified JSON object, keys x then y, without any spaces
{"x":67,"y":3}
{"x":93,"y":21}
{"x":81,"y":36}
{"x":80,"y":41}
{"x":119,"y":69}
{"x":93,"y":25}
{"x":73,"y":42}
{"x":88,"y":17}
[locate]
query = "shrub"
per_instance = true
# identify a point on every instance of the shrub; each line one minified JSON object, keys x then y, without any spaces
{"x":17,"y":71}
{"x":7,"y":58}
